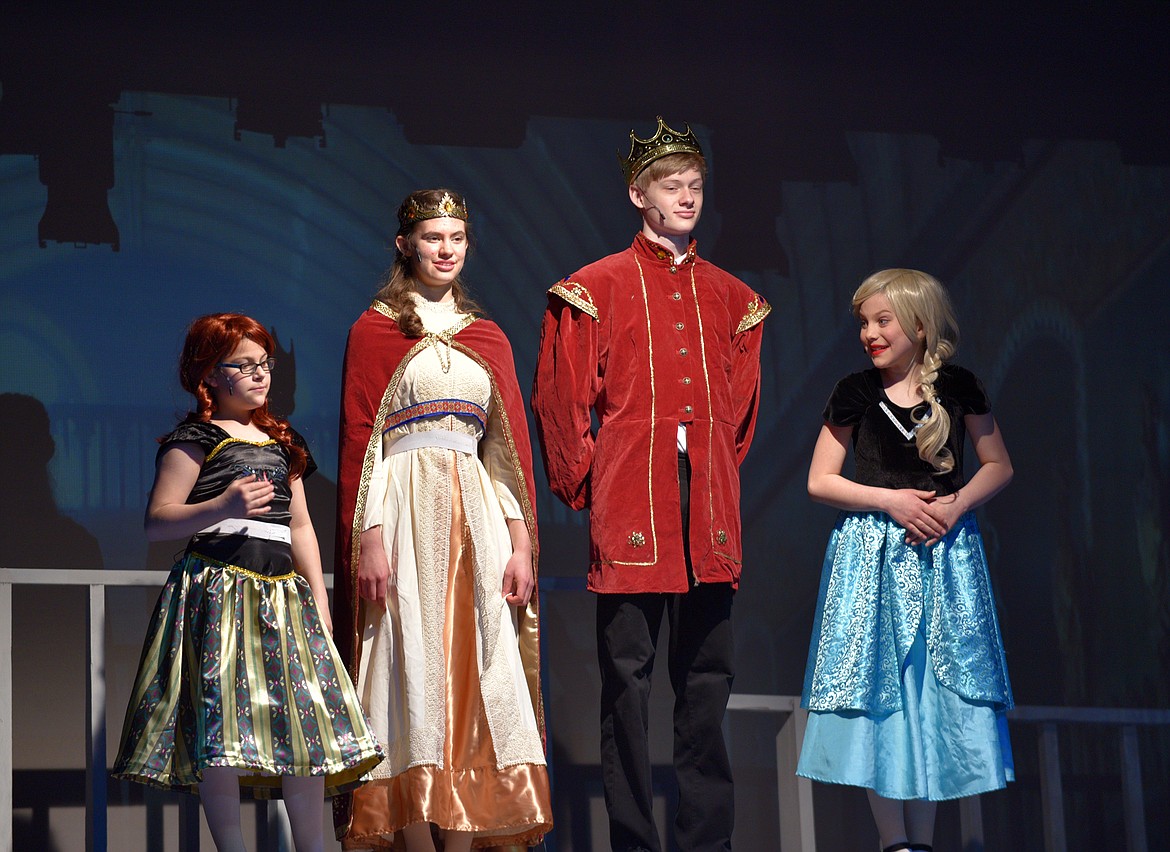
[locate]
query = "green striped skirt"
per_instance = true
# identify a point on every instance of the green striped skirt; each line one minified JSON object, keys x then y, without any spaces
{"x":237,"y":670}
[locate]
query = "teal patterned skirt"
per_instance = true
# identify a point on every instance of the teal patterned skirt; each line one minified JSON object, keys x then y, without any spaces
{"x":238,"y":671}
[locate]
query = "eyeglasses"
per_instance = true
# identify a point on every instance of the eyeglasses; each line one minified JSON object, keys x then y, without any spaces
{"x":248,"y":368}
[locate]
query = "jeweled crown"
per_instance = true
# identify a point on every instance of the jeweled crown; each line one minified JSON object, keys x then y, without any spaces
{"x":665,"y":141}
{"x":445,"y":208}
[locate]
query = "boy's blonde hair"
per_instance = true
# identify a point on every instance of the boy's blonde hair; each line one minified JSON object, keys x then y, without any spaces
{"x":671,"y":164}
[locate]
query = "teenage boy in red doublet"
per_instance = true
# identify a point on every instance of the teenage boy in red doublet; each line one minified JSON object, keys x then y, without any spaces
{"x":664,"y":348}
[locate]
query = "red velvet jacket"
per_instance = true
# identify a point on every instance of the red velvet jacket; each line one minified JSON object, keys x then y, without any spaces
{"x":645,"y":343}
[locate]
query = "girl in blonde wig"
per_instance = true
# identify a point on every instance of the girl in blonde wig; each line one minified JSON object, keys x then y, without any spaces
{"x":906,"y":682}
{"x":920,"y":302}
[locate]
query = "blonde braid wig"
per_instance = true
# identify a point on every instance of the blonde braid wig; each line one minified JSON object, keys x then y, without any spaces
{"x":921,"y":302}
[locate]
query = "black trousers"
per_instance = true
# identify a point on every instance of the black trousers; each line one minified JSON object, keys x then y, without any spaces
{"x":700,"y":662}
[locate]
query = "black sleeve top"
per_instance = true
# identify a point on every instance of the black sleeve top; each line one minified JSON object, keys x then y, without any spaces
{"x":228,"y":458}
{"x":883,"y":433}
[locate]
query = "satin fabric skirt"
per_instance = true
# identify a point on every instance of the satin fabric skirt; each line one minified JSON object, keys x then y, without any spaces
{"x":881,"y":714}
{"x":466,"y":789}
{"x":938,"y":746}
{"x":237,"y":670}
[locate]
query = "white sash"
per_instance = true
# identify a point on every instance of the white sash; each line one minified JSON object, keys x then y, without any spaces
{"x":458,"y":441}
{"x":250,"y":527}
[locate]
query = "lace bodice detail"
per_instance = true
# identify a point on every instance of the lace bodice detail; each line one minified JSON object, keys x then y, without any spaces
{"x":441,"y":372}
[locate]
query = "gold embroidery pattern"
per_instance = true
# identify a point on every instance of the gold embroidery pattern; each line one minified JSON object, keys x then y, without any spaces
{"x":226,"y":441}
{"x":521,"y":482}
{"x":721,"y":536}
{"x":384,"y":309}
{"x":446,"y":335}
{"x":576,"y":295}
{"x":636,"y":539}
{"x":754,"y":316}
{"x":359,"y":514}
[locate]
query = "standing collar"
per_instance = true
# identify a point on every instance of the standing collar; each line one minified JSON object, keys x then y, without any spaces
{"x":647,"y":248}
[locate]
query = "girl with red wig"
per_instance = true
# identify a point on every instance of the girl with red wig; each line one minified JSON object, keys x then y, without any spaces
{"x":240,"y":683}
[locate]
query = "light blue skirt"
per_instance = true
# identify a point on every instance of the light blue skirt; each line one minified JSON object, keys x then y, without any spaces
{"x":938,"y":746}
{"x":880,"y":717}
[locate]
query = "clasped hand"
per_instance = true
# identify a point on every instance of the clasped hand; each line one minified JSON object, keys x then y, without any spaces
{"x":925,"y":516}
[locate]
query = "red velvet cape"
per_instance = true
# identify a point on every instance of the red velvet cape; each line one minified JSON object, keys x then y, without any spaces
{"x":376,"y":354}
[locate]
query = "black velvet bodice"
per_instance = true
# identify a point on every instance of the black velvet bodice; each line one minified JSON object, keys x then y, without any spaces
{"x":883,"y":454}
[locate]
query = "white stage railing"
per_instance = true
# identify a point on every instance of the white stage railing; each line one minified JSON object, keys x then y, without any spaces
{"x":96,"y":794}
{"x":797,"y":831}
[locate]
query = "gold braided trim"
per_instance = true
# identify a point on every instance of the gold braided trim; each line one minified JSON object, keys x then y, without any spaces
{"x":226,"y":441}
{"x":576,"y":295}
{"x":754,"y":316}
{"x":255,"y":575}
{"x":445,"y":335}
{"x":373,"y":447}
{"x":653,"y":408}
{"x":384,"y":309}
{"x":521,"y":481}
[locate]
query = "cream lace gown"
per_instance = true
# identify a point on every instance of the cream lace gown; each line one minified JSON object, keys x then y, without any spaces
{"x":441,"y":674}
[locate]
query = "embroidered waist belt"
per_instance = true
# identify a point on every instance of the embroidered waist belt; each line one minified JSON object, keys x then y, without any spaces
{"x":458,"y":441}
{"x":435,"y":408}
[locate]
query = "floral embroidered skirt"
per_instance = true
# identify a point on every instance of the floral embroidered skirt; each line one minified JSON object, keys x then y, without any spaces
{"x":907,"y":683}
{"x":237,"y":670}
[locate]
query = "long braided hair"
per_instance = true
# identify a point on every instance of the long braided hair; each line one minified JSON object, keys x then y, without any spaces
{"x":921,"y":302}
{"x":212,"y":338}
{"x":397,"y":283}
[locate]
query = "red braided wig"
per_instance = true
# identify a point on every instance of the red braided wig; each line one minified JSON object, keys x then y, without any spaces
{"x":212,"y":338}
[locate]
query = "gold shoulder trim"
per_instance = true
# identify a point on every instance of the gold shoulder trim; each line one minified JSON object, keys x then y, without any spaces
{"x":576,"y":295}
{"x":384,"y":309}
{"x":387,"y":311}
{"x":448,"y":333}
{"x":757,"y":309}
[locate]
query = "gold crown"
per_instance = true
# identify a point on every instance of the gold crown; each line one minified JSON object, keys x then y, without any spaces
{"x":446,"y":208}
{"x":665,"y":141}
